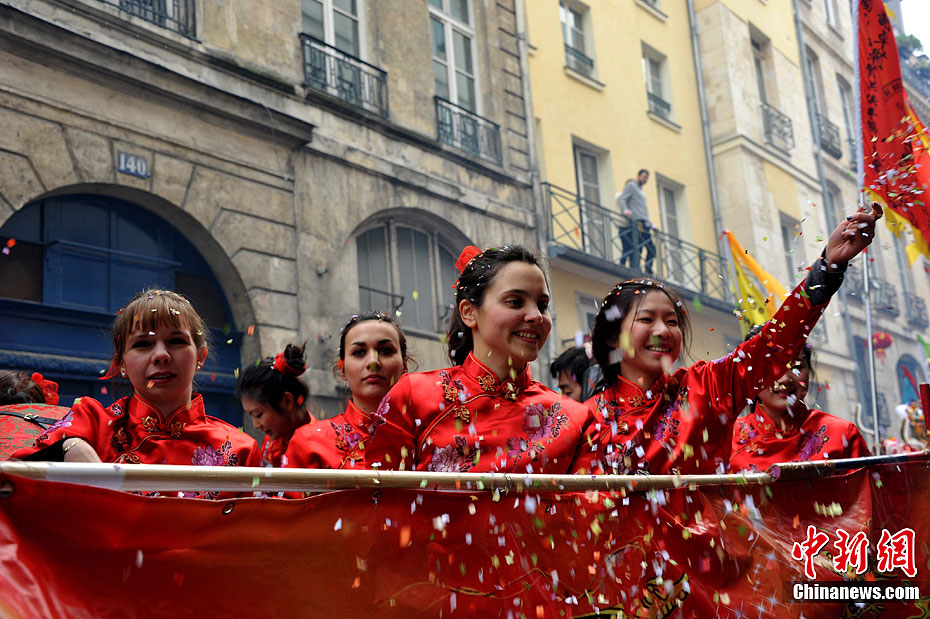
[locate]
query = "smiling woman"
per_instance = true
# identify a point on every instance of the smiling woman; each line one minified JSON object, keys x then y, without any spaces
{"x":485,"y":413}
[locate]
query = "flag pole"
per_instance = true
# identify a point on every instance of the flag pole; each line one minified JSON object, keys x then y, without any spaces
{"x":860,"y":183}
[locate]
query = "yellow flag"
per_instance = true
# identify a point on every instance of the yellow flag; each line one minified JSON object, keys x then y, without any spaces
{"x":755,"y":307}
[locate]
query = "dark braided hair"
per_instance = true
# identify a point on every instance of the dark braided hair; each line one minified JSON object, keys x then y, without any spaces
{"x":472,"y":285}
{"x":19,"y":388}
{"x":623,"y":299}
{"x":264,"y":384}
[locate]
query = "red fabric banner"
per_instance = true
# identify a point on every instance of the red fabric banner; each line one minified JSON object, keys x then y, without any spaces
{"x":72,"y":551}
{"x":895,"y":142}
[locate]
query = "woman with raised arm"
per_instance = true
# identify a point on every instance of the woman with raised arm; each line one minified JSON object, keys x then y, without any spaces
{"x":651,"y":419}
{"x":485,"y":413}
{"x":372,"y":358}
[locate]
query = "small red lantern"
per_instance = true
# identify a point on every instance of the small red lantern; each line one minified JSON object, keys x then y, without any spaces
{"x":880,"y":342}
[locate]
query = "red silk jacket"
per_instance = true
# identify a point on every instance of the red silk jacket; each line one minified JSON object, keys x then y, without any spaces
{"x":684,"y":422}
{"x":464,"y":419}
{"x":334,"y":443}
{"x":759,"y":442}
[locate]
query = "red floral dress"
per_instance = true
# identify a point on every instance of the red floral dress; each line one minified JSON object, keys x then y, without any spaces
{"x":274,"y":449}
{"x":334,"y":443}
{"x":132,"y":431}
{"x":684,"y":422}
{"x":464,"y":419}
{"x":759,"y":442}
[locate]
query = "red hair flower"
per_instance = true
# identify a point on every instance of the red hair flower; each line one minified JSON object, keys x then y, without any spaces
{"x":49,"y":388}
{"x":280,"y":364}
{"x":468,"y":254}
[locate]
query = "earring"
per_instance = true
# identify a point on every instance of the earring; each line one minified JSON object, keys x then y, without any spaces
{"x":198,"y":367}
{"x":122,"y":373}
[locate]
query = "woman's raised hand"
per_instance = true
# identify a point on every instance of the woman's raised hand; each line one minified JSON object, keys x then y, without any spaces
{"x":851,"y":236}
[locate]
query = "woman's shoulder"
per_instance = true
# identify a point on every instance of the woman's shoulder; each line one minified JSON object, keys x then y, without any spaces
{"x":233,"y":433}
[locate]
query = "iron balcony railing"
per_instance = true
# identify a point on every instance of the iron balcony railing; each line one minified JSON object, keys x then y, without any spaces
{"x":581,"y":225}
{"x":336,"y":73}
{"x":853,"y":153}
{"x":577,"y":60}
{"x":778,"y":129}
{"x":853,"y":283}
{"x":659,"y":106}
{"x":468,"y":132}
{"x":916,"y":309}
{"x":884,"y":296}
{"x":176,"y":15}
{"x":830,"y":137}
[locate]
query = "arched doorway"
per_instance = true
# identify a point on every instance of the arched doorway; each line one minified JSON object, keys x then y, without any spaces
{"x":73,"y":262}
{"x":909,"y":376}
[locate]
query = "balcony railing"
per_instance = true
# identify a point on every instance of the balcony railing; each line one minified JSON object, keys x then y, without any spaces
{"x":659,"y":106}
{"x":576,"y":59}
{"x":581,"y":225}
{"x":372,"y":299}
{"x":466,"y":131}
{"x":916,"y":309}
{"x":778,"y":129}
{"x":176,"y":15}
{"x":830,"y":137}
{"x":853,"y":147}
{"x":329,"y":70}
{"x":885,"y":296}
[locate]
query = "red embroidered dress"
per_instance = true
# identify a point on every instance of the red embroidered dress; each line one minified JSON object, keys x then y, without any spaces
{"x":334,"y":443}
{"x":684,"y":422}
{"x":759,"y":442}
{"x":132,"y":431}
{"x":274,"y":449}
{"x":463,"y":419}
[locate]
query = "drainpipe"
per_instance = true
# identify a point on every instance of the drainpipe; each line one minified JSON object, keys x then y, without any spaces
{"x":541,"y":219}
{"x":831,"y":216}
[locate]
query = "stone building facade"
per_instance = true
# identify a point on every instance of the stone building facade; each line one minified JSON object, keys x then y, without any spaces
{"x":286,"y":163}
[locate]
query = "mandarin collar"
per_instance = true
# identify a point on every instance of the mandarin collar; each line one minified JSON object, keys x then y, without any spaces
{"x":356,"y":416}
{"x":635,"y":394}
{"x":489,"y":382}
{"x":140,"y":410}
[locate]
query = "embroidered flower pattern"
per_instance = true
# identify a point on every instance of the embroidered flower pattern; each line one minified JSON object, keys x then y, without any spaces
{"x":455,"y":458}
{"x":668,"y":423}
{"x":810,"y":444}
{"x":64,"y":422}
{"x":539,"y":424}
{"x":116,"y":409}
{"x":451,"y":388}
{"x":488,"y":382}
{"x":378,"y":417}
{"x":347,"y":438}
{"x":208,"y":456}
{"x":153,"y":425}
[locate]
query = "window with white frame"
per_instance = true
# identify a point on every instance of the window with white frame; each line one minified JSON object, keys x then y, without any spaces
{"x":829,"y":7}
{"x":452,"y":34}
{"x":587,"y":312}
{"x":407,"y":270}
{"x":813,"y":67}
{"x":578,"y":48}
{"x":672,"y":223}
{"x":590,"y":163}
{"x":334,"y":22}
{"x":846,"y":101}
{"x":655,"y":68}
{"x":761,"y":50}
{"x":792,"y":246}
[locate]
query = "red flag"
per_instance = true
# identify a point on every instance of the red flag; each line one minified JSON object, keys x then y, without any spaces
{"x":895,"y":142}
{"x":69,"y":550}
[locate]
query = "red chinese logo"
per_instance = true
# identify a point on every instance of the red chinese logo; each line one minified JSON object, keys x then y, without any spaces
{"x":851,"y":551}
{"x":896,"y":551}
{"x":892,"y":551}
{"x":809,"y":548}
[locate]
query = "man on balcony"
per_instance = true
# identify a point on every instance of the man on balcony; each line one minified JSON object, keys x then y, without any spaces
{"x":636,"y":235}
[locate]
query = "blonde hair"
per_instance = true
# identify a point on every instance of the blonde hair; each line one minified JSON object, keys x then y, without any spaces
{"x":150,"y":309}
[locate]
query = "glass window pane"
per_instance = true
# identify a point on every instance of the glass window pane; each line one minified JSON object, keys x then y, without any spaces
{"x":372,"y":271}
{"x":312,"y":11}
{"x":459,"y":9}
{"x":346,"y":34}
{"x":441,"y":75}
{"x":348,"y":6}
{"x":462,"y":45}
{"x":465,"y":89}
{"x":439,"y":39}
{"x":415,"y":284}
{"x":436,"y":3}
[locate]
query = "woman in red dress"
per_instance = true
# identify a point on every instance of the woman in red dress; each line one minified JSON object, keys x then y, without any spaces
{"x":653,"y":419}
{"x":273,"y":395}
{"x":159,"y":343}
{"x":372,"y":358}
{"x":485,"y":413}
{"x":780,"y":427}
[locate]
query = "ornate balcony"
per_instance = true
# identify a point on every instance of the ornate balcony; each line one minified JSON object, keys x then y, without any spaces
{"x":659,"y":106}
{"x":175,"y":15}
{"x":331,"y":71}
{"x":468,"y":132}
{"x":778,"y":129}
{"x":916,"y":309}
{"x":580,"y":225}
{"x":885,"y":296}
{"x":576,"y":59}
{"x":853,"y":284}
{"x":830,"y":137}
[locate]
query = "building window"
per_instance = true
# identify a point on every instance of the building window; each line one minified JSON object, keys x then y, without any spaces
{"x":587,"y":312}
{"x":846,"y":101}
{"x":761,"y":48}
{"x":655,"y":68}
{"x":453,"y":39}
{"x":813,"y":69}
{"x":594,"y":217}
{"x":793,"y":255}
{"x":334,"y":22}
{"x":829,"y":7}
{"x":671,"y":212}
{"x":406,"y":270}
{"x":578,"y":51}
{"x":176,"y":15}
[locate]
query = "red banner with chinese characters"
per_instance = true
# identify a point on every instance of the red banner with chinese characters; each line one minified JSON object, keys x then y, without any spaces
{"x":895,"y":142}
{"x":68,"y":550}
